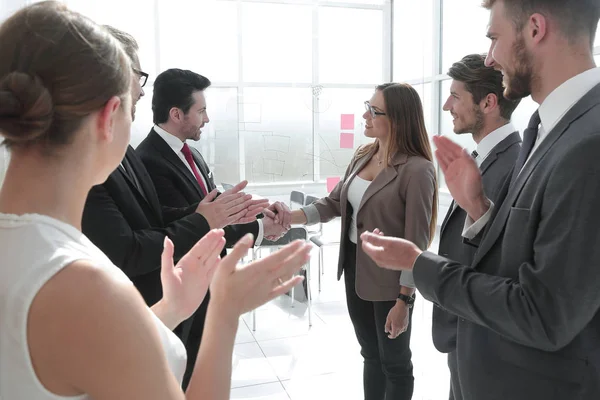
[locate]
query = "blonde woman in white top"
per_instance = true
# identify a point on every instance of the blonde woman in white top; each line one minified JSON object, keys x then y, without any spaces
{"x":72,"y":324}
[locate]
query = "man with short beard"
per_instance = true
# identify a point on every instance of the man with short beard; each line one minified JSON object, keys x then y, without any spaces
{"x":528,"y":305}
{"x":478,"y":107}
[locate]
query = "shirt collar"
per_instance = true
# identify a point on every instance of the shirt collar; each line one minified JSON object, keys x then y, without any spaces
{"x":173,"y":141}
{"x":487,"y":144}
{"x":564,"y":97}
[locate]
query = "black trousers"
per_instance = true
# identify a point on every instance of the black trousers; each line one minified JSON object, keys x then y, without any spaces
{"x":388,"y":370}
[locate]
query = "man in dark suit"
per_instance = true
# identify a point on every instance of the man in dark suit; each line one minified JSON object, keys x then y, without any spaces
{"x":124,"y":218}
{"x":478,"y":107}
{"x":528,"y":305}
{"x":180,"y":175}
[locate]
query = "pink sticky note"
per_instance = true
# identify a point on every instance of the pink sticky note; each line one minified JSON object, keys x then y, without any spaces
{"x":331,"y":182}
{"x":348,"y":121}
{"x":346,"y":140}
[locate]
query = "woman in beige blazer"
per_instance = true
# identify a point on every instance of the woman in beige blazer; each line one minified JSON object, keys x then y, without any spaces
{"x":391,"y":185}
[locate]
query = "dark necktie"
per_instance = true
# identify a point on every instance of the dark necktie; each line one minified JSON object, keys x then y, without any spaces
{"x":529,"y":137}
{"x":187,"y":153}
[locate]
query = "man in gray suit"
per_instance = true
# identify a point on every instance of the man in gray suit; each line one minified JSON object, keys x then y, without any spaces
{"x":478,"y":107}
{"x":529,"y":304}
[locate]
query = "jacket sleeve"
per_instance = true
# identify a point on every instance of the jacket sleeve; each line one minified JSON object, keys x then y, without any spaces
{"x":136,"y":252}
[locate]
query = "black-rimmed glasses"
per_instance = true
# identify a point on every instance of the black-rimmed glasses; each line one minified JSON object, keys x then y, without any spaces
{"x":372,"y":111}
{"x":143,"y":76}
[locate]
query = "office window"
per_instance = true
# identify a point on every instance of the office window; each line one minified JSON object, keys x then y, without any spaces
{"x":129,"y":16}
{"x":201,"y":36}
{"x":350,"y":45}
{"x":276,"y":132}
{"x":597,"y":40}
{"x":464,"y":30}
{"x":341,"y":129}
{"x":413,"y":40}
{"x":220,"y":139}
{"x":277,"y":42}
{"x":425,"y":92}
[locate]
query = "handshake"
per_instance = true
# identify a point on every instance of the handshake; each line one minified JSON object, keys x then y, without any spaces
{"x":236,"y":207}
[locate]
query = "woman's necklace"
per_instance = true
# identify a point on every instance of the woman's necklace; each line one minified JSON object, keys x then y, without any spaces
{"x":378,"y":160}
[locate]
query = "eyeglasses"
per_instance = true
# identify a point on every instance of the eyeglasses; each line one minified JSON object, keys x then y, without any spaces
{"x":372,"y":111}
{"x":143,"y":77}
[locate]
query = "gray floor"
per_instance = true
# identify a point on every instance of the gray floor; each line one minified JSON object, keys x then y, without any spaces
{"x":284,"y":359}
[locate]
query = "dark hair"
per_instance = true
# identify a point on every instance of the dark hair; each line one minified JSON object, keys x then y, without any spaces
{"x":56,"y":68}
{"x":480,"y":81}
{"x":409,"y":134}
{"x":127,"y":41}
{"x":574,"y":17}
{"x":174,"y":88}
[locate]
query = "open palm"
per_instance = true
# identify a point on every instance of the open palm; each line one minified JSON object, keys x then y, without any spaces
{"x":461,"y":173}
{"x":186,"y":284}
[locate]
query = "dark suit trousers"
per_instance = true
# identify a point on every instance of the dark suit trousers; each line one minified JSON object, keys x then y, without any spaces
{"x":388,"y":370}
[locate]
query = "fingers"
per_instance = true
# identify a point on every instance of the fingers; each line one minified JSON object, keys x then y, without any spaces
{"x":269,"y":214}
{"x":285,"y":287}
{"x":443,"y":161}
{"x":447,"y":147}
{"x":237,"y":188}
{"x":375,"y":252}
{"x":167,"y":255}
{"x":276,"y":259}
{"x":284,"y":214}
{"x":240,"y":249}
{"x":207,"y":248}
{"x":210,"y":197}
{"x":388,"y":325}
{"x":293,"y":263}
{"x":378,"y":232}
{"x":375,"y":239}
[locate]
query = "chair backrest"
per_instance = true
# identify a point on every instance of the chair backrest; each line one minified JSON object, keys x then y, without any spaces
{"x":309,"y":200}
{"x":296,"y":199}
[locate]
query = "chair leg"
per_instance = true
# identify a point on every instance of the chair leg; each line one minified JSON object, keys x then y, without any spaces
{"x":254,"y":258}
{"x":321,"y":260}
{"x":308,"y":296}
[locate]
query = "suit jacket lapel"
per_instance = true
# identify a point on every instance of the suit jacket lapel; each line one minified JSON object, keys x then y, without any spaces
{"x":501,"y":216}
{"x":204,"y":170}
{"x":167,"y":152}
{"x":487,"y":163}
{"x":148,"y":191}
{"x":386,"y":176}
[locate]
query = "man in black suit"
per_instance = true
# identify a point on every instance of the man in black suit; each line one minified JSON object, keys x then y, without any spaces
{"x":124,"y":218}
{"x":478,"y":107}
{"x":528,"y":305}
{"x":180,"y":174}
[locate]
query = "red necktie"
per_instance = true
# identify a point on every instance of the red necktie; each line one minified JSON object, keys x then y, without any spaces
{"x":187,"y":153}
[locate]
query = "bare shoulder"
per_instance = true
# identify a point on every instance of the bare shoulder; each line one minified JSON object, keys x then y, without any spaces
{"x":86,"y":328}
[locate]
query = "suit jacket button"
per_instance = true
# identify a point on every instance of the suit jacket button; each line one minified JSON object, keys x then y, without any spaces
{"x":359,"y":225}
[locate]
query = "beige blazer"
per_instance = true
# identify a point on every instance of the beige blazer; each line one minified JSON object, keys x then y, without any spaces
{"x":398,"y":202}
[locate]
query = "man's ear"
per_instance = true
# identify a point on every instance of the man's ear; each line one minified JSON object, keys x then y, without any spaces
{"x":489,"y":103}
{"x":107,"y":118}
{"x":176,"y":114}
{"x":537,"y":27}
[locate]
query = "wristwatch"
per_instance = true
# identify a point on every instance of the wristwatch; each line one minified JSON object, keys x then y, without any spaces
{"x":409,"y":300}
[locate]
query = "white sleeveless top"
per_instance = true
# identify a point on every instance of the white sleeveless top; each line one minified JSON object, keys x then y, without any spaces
{"x":33,"y":248}
{"x":356,"y":192}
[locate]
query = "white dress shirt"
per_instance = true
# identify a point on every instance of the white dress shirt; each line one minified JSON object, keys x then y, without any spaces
{"x":552,"y":110}
{"x":487,"y":144}
{"x":176,"y":145}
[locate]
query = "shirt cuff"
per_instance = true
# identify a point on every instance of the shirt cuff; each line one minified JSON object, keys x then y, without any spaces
{"x":312,"y":214}
{"x":406,"y":279}
{"x":472,"y":228}
{"x":261,"y":233}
